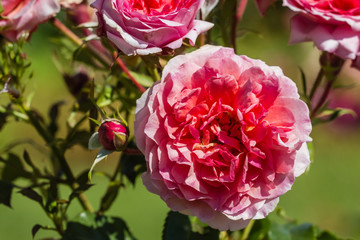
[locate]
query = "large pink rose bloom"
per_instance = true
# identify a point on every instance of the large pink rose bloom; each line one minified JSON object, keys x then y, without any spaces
{"x":21,"y":17}
{"x":148,"y":26}
{"x":333,"y":25}
{"x":223,"y":136}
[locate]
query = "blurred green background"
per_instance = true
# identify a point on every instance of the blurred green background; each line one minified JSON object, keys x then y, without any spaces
{"x":328,"y":195}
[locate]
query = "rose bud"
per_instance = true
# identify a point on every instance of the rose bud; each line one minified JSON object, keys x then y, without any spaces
{"x":113,"y":135}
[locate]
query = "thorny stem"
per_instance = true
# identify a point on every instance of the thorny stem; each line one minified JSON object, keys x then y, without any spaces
{"x":331,"y":66}
{"x":317,"y":82}
{"x":126,"y":71}
{"x":323,"y":98}
{"x":103,"y":58}
{"x":58,"y":154}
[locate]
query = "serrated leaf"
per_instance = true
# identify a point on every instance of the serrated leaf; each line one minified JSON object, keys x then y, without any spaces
{"x":5,"y":193}
{"x":102,"y":154}
{"x":177,"y":227}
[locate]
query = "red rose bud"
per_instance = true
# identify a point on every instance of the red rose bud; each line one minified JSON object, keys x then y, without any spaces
{"x":113,"y":135}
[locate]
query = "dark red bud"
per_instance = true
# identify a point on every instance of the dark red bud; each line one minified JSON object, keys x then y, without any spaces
{"x":113,"y":135}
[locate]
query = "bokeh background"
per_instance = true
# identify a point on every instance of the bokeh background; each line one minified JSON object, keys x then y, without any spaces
{"x":327,"y":195}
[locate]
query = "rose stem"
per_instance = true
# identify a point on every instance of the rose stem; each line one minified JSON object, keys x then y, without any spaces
{"x":58,"y":154}
{"x":247,"y":230}
{"x":101,"y":57}
{"x":317,"y":82}
{"x":126,"y":71}
{"x":239,"y":12}
{"x":323,"y":98}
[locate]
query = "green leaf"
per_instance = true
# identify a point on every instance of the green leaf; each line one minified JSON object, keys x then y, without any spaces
{"x":31,"y":194}
{"x":28,"y":161}
{"x":208,"y":234}
{"x":278,"y":232}
{"x":328,"y":115}
{"x":89,"y":226}
{"x":304,"y":231}
{"x":110,"y":195}
{"x":310,"y":146}
{"x":177,"y":227}
{"x":303,"y":82}
{"x":94,"y":142}
{"x":102,"y":154}
{"x":79,"y":137}
{"x":260,"y":229}
{"x":80,"y":189}
{"x":5,"y":193}
{"x":13,"y":168}
{"x":53,"y":115}
{"x":132,"y":164}
{"x":325,"y":235}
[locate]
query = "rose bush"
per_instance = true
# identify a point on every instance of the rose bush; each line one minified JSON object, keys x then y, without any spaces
{"x":145,"y":27}
{"x":21,"y":17}
{"x":223,"y":136}
{"x":333,"y":25}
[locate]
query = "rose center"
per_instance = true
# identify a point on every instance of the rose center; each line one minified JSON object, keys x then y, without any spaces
{"x":150,"y":7}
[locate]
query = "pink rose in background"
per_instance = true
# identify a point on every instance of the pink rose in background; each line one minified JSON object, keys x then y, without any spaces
{"x":333,"y":25}
{"x":148,"y":26}
{"x":69,"y":3}
{"x":223,"y":136}
{"x":263,"y":5}
{"x":21,"y":17}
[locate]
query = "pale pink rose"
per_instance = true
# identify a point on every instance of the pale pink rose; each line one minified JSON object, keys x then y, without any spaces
{"x":223,"y":136}
{"x":333,"y":25}
{"x":69,"y":3}
{"x":145,"y":27}
{"x":21,"y":17}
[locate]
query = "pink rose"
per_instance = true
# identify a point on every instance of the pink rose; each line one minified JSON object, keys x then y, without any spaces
{"x":333,"y":25}
{"x":145,"y":27}
{"x":223,"y":136}
{"x":69,"y":3}
{"x":21,"y":17}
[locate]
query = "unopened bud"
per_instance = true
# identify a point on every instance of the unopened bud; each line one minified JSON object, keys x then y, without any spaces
{"x":113,"y":135}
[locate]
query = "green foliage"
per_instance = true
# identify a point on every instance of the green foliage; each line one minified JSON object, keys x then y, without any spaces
{"x":91,"y":226}
{"x":178,"y":227}
{"x":5,"y":193}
